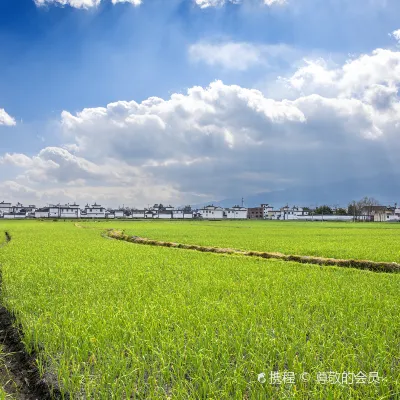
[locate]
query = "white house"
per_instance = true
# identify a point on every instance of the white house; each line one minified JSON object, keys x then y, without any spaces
{"x":110,"y":215}
{"x":267,"y":211}
{"x":138,"y":213}
{"x":5,"y":208}
{"x":42,"y":212}
{"x":151,"y":214}
{"x":95,"y":211}
{"x":18,"y":208}
{"x":211,"y":212}
{"x":118,"y":213}
{"x":187,"y":215}
{"x":236,"y":212}
{"x":177,"y":214}
{"x":164,"y":215}
{"x":69,"y":211}
{"x":54,"y":211}
{"x":15,"y":215}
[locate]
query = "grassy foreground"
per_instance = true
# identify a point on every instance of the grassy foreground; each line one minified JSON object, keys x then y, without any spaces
{"x":117,"y":320}
{"x":376,"y":242}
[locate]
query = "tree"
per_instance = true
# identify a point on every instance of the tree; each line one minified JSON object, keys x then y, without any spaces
{"x":341,"y":211}
{"x":324,"y":210}
{"x":187,"y":209}
{"x":365,"y":206}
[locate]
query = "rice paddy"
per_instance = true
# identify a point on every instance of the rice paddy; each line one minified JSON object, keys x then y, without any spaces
{"x":109,"y":319}
{"x":365,"y":241}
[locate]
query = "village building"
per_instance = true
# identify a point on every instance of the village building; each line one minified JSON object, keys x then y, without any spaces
{"x":138,"y":213}
{"x":211,"y":212}
{"x":118,"y":213}
{"x":151,"y":214}
{"x":268,"y":211}
{"x":42,"y":212}
{"x":386,"y":214}
{"x":70,"y":211}
{"x":95,"y":211}
{"x":236,"y":212}
{"x":164,"y":214}
{"x":16,"y":215}
{"x":5,"y":208}
{"x":178,"y":214}
{"x":255,"y":213}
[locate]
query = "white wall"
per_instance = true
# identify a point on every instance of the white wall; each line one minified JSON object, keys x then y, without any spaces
{"x":236,"y":214}
{"x":325,"y":218}
{"x":12,"y":216}
{"x":95,"y":214}
{"x":54,"y":212}
{"x":212,"y":214}
{"x":70,"y":214}
{"x":165,"y":216}
{"x":41,"y":214}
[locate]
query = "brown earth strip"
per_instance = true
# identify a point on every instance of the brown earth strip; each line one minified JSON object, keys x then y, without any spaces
{"x":19,"y":374}
{"x":358,"y":264}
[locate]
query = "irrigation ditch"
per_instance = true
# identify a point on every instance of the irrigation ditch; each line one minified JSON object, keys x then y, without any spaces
{"x":19,"y":375}
{"x":374,"y":266}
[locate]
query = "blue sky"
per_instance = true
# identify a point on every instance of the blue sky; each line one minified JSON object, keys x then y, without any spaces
{"x":62,"y":58}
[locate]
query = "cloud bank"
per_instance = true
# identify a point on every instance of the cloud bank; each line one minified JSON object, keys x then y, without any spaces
{"x":226,"y":140}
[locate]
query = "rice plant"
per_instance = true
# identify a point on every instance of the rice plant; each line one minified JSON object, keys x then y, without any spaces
{"x":113,"y":320}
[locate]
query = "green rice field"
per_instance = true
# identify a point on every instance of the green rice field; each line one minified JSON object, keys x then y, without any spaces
{"x":115,"y":320}
{"x":376,"y":242}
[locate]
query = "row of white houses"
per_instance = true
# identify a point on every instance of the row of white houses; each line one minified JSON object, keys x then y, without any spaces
{"x":211,"y":212}
{"x":96,"y":211}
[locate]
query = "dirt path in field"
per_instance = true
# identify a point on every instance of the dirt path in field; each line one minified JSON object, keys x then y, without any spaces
{"x":358,"y":264}
{"x":19,"y":375}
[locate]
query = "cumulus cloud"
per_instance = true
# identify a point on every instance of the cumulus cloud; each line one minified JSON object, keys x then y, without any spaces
{"x":227,"y":140}
{"x":58,"y":165}
{"x":6,"y":119}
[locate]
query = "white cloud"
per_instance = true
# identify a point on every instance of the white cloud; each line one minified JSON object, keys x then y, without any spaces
{"x":220,"y":3}
{"x":396,"y":34}
{"x":214,"y":3}
{"x":87,"y":4}
{"x":240,"y":56}
{"x":6,"y":119}
{"x":229,"y":55}
{"x":227,"y":140}
{"x":271,"y":2}
{"x":83,"y":4}
{"x":134,"y":2}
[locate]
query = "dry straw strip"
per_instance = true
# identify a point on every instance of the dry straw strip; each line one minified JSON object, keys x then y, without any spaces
{"x":359,"y":264}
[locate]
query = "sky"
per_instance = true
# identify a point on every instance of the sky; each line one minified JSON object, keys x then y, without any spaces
{"x":138,"y":102}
